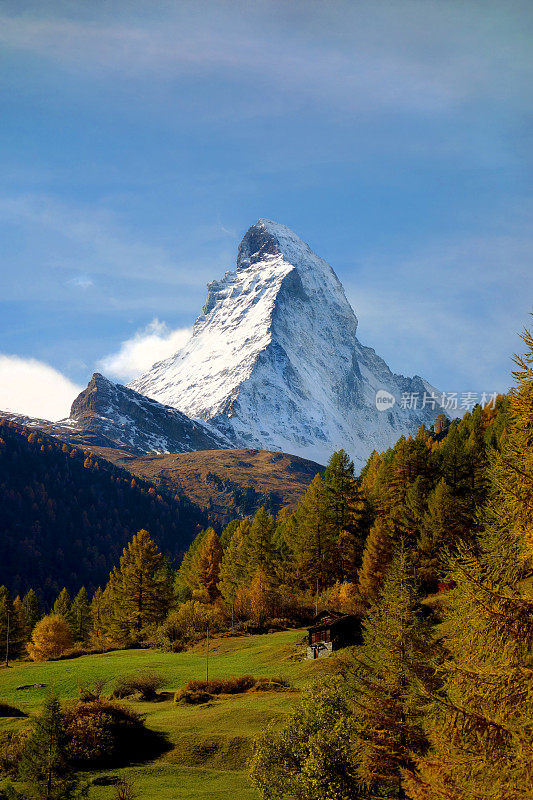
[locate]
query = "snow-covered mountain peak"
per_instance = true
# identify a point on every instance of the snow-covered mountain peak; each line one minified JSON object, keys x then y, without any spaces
{"x":270,"y":238}
{"x":274,"y":360}
{"x":239,"y":319}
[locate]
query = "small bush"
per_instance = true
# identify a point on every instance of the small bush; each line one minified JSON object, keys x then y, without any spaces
{"x":102,"y":733}
{"x":11,"y":746}
{"x":144,"y":686}
{"x":90,"y":692}
{"x":238,"y":685}
{"x":276,"y":684}
{"x":235,"y":685}
{"x":124,"y":791}
{"x":198,"y":691}
{"x":192,"y":697}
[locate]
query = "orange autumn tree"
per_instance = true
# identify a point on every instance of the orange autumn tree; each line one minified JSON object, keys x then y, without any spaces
{"x":51,"y":638}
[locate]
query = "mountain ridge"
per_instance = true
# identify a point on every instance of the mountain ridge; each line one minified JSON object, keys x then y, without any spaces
{"x":107,"y":414}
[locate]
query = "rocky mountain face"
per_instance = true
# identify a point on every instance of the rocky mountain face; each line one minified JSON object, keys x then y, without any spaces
{"x":108,"y":415}
{"x":274,"y":361}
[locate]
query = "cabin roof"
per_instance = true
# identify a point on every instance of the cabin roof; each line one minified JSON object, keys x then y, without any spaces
{"x":329,"y":619}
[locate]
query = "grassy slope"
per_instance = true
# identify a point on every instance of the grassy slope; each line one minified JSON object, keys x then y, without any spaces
{"x":209,"y":744}
{"x":286,"y":475}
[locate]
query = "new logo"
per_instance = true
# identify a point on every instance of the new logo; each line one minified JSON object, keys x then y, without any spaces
{"x":384,"y":400}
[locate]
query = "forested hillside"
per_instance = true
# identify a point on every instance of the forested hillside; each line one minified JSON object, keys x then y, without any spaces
{"x":65,"y":514}
{"x":436,"y":702}
{"x":425,"y":492}
{"x":226,"y":483}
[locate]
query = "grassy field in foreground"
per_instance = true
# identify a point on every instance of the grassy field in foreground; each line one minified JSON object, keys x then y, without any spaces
{"x":208,"y":744}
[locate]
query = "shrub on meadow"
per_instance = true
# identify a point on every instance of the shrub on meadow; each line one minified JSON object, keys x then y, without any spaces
{"x":102,"y":732}
{"x":144,"y":686}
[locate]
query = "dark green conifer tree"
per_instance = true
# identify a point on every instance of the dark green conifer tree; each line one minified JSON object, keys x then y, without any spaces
{"x":139,"y":592}
{"x":315,"y":545}
{"x":346,"y":509}
{"x":261,"y":552}
{"x":208,"y":565}
{"x":235,"y":565}
{"x":445,"y":523}
{"x":63,"y":605}
{"x":80,"y":617}
{"x":44,"y":765}
{"x":377,"y":556}
{"x":98,"y":617}
{"x":186,"y":576}
{"x":31,"y":612}
{"x":227,"y":533}
{"x":6,"y":620}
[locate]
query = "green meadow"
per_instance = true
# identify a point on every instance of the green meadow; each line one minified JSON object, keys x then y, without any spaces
{"x":208,"y":745}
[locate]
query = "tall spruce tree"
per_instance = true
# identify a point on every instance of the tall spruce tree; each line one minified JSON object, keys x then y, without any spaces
{"x":261,"y":548}
{"x":98,"y":617}
{"x":283,"y":542}
{"x":6,"y":620}
{"x":235,"y":565}
{"x":377,"y":556}
{"x":208,"y":565}
{"x":394,"y":659}
{"x":444,"y":524}
{"x":63,"y":605}
{"x":187,"y":575}
{"x":80,"y":617}
{"x":17,"y":635}
{"x":229,"y":530}
{"x":315,"y":544}
{"x":345,"y":507}
{"x":139,"y":590}
{"x":31,"y":612}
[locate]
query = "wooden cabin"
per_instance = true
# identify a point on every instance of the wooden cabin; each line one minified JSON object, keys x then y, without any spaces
{"x":331,"y":630}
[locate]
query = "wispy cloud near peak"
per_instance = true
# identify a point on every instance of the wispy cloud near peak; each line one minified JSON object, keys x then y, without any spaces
{"x":136,"y":355}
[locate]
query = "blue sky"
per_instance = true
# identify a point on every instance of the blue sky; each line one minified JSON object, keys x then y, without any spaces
{"x":138,"y":142}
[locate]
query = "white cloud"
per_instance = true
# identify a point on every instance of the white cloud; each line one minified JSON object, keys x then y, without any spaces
{"x":33,"y":388}
{"x":153,"y":343}
{"x":81,"y":282}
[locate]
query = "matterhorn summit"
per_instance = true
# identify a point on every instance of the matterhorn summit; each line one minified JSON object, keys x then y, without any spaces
{"x":274,"y":361}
